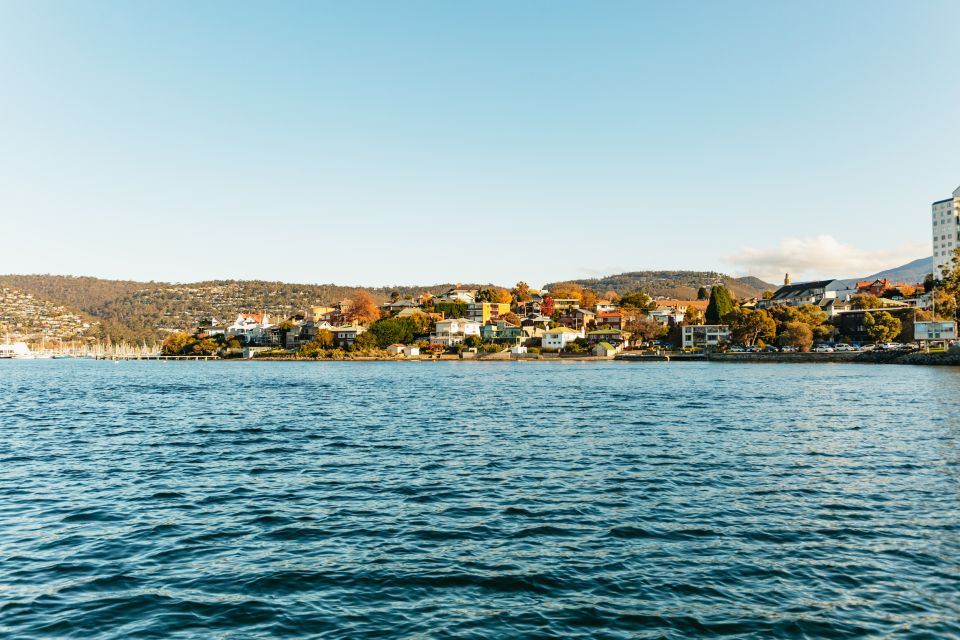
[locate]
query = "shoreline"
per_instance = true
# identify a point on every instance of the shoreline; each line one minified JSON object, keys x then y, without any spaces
{"x":870,"y":357}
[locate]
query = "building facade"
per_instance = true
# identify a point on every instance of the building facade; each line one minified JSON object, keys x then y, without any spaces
{"x":946,"y":232}
{"x":705,"y":335}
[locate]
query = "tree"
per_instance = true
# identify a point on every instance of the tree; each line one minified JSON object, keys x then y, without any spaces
{"x":365,"y":309}
{"x":365,"y":341}
{"x":703,"y":293}
{"x":175,"y":343}
{"x":487,"y":294}
{"x":394,"y":296}
{"x":588,"y":298}
{"x":720,"y":305}
{"x":612,"y":296}
{"x":645,"y":329}
{"x":748,"y":326}
{"x":865,"y":301}
{"x":393,"y":330}
{"x":808,"y":314}
{"x":637,"y":300}
{"x":881,"y":326}
{"x":768,"y":294}
{"x":510,"y":317}
{"x":472,"y":342}
{"x":693,"y":315}
{"x":323,"y":339}
{"x":796,"y":334}
{"x":521,"y":291}
{"x":567,"y":290}
{"x":547,"y":306}
{"x":504,"y":297}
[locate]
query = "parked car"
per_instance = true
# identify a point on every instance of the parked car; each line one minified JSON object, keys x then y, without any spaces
{"x":823,"y":349}
{"x":788,"y":349}
{"x":770,"y":349}
{"x":737,"y":349}
{"x":843,"y":348}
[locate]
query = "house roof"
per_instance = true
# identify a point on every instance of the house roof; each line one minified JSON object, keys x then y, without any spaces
{"x":604,"y":332}
{"x":610,"y":314}
{"x":255,"y":317}
{"x":562,"y":330}
{"x":696,"y":304}
{"x":607,"y":346}
{"x":799,"y":288}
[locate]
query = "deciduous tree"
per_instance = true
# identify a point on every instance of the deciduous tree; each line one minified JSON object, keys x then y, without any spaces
{"x":364,"y":309}
{"x":796,"y":334}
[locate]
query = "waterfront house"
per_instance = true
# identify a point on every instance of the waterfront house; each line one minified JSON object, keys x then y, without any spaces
{"x":560,"y":337}
{"x":344,"y":336}
{"x":252,"y":328}
{"x":411,"y":351}
{"x":705,"y":335}
{"x":616,"y":337}
{"x":454,"y":331}
{"x":396,"y":348}
{"x":503,"y":333}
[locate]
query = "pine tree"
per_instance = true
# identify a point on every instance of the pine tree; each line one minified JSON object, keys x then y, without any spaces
{"x":720,"y":305}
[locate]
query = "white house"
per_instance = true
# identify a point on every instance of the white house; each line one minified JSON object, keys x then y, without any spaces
{"x":250,"y":326}
{"x":411,"y":352}
{"x":560,"y":337}
{"x":395,"y":349}
{"x":454,"y":331}
{"x":705,"y":335}
{"x":946,"y":232}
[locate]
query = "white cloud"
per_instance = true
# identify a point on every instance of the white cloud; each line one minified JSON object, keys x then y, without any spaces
{"x":820,"y":257}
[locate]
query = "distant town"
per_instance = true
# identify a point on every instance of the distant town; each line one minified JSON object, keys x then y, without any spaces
{"x":566,"y":320}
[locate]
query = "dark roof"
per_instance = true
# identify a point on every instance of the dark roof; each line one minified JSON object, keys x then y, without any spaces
{"x":789,"y":290}
{"x":942,"y":201}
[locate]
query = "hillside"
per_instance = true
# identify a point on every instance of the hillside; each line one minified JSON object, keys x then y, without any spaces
{"x":674,"y":284}
{"x":911,"y":272}
{"x":145,"y":311}
{"x":26,"y":317}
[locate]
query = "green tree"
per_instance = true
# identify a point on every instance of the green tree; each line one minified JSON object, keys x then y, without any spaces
{"x":392,"y":330}
{"x":645,"y":329}
{"x":636,"y":300}
{"x":720,"y":305}
{"x":881,"y":326}
{"x":703,"y":293}
{"x":749,"y":326}
{"x":472,"y":342}
{"x":865,"y":301}
{"x":796,"y":334}
{"x":365,"y":342}
{"x":693,"y":315}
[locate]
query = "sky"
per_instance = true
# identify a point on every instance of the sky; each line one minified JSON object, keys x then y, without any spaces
{"x":413,"y":142}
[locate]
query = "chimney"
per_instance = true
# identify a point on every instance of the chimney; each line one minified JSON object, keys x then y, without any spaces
{"x":786,"y":280}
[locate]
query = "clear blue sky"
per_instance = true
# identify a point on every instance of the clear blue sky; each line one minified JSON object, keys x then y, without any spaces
{"x":415,"y":142}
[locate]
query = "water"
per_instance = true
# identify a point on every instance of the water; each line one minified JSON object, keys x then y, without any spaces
{"x":478,"y":500}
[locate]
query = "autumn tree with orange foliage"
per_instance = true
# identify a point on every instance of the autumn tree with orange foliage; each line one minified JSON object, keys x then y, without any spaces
{"x":365,"y":309}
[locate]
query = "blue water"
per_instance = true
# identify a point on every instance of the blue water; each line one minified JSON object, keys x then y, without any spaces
{"x":478,"y":500}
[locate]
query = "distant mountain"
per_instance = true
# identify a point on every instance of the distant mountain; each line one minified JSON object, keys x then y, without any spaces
{"x":674,"y":284}
{"x":911,"y":273}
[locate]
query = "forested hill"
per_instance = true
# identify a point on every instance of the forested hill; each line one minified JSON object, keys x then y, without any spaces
{"x":674,"y":284}
{"x":138,"y":311}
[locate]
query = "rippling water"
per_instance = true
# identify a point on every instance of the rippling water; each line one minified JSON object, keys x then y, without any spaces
{"x":478,"y":500}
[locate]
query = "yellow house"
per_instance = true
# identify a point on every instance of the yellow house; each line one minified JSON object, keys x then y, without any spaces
{"x":484,"y":312}
{"x":314,"y":314}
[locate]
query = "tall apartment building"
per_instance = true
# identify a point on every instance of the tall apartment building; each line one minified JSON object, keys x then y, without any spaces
{"x":946,"y":232}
